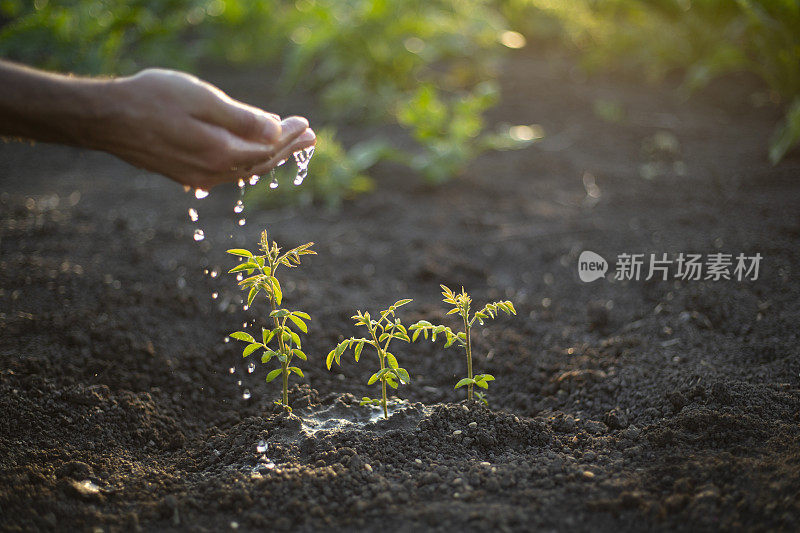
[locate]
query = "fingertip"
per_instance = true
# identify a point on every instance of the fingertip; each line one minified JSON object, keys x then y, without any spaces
{"x":271,"y":128}
{"x":295,"y":124}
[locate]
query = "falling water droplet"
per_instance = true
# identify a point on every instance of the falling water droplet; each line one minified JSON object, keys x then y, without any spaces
{"x":244,"y":324}
{"x":226,"y":340}
{"x":254,"y":179}
{"x":214,"y":274}
{"x":246,"y":394}
{"x":239,"y":277}
{"x":251,"y":368}
{"x":274,"y":183}
{"x":245,"y":307}
{"x":242,"y":221}
{"x":200,"y":193}
{"x":214,"y":295}
{"x":241,"y":183}
{"x":239,"y":382}
{"x":302,"y":158}
{"x":231,"y":370}
{"x":239,"y":207}
{"x":261,"y":447}
{"x":205,"y":271}
{"x":193,"y":214}
{"x":199,"y":235}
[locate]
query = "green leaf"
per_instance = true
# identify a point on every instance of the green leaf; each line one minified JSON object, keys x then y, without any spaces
{"x":266,"y":335}
{"x":358,"y":349}
{"x":484,"y":377}
{"x":300,"y":353}
{"x":296,"y":371}
{"x":482,"y":384}
{"x":301,"y":314}
{"x":267,"y":355}
{"x":250,"y":297}
{"x":274,"y":374}
{"x":247,"y":265}
{"x":392,"y":360}
{"x":240,"y":252}
{"x":276,"y":289}
{"x":402,"y":374}
{"x":416,"y":334}
{"x":295,"y":339}
{"x":465,"y":381}
{"x":329,"y":359}
{"x":391,"y":382}
{"x":452,"y":311}
{"x":300,"y":324}
{"x":250,"y":348}
{"x":400,"y":303}
{"x":242,"y":336}
{"x":373,"y":378}
{"x":279,"y":313}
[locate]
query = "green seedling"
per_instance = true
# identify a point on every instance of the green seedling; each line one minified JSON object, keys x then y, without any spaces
{"x":260,"y":270}
{"x":461,"y":304}
{"x":382,"y":331}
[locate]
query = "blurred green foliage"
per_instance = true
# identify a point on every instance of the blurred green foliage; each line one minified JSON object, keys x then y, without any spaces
{"x":425,"y":65}
{"x":368,"y":61}
{"x":704,"y":39}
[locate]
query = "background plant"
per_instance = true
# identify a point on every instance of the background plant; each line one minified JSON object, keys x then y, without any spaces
{"x":381,"y":333}
{"x":702,"y":39}
{"x":261,"y":271}
{"x":461,"y":303}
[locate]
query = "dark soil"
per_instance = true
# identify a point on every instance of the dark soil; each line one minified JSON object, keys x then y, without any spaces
{"x":618,"y":406}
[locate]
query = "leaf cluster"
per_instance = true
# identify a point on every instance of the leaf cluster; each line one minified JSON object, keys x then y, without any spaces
{"x":382,"y":330}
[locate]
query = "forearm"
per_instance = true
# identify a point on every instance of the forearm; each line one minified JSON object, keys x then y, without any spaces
{"x":51,"y":107}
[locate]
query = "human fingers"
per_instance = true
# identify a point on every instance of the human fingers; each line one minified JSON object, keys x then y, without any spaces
{"x":244,"y":120}
{"x":306,"y":139}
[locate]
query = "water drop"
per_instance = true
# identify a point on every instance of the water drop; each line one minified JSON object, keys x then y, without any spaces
{"x":214,"y":295}
{"x":239,"y":382}
{"x":226,"y":340}
{"x":254,"y":179}
{"x":261,"y":447}
{"x":244,"y":324}
{"x":200,"y":193}
{"x":302,"y":158}
{"x":239,"y":277}
{"x":242,"y":222}
{"x":231,"y":370}
{"x":245,"y":307}
{"x":274,"y":183}
{"x":205,"y":271}
{"x":281,"y":163}
{"x":241,"y":183}
{"x":193,"y":214}
{"x":199,"y":235}
{"x":214,"y":274}
{"x":251,"y":368}
{"x":246,"y":394}
{"x":239,"y":207}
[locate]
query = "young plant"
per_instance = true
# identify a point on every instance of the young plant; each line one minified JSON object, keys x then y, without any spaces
{"x":461,"y":304}
{"x":381,"y":333}
{"x":260,"y":270}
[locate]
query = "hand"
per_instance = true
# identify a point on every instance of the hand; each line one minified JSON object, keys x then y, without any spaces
{"x":192,"y":132}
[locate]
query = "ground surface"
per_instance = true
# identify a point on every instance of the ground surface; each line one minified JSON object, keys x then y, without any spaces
{"x":618,"y":406}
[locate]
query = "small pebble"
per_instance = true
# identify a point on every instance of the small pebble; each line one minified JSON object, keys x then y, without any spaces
{"x":587,"y":475}
{"x":418,"y":461}
{"x":457,"y":432}
{"x":368,"y":467}
{"x":473,"y":425}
